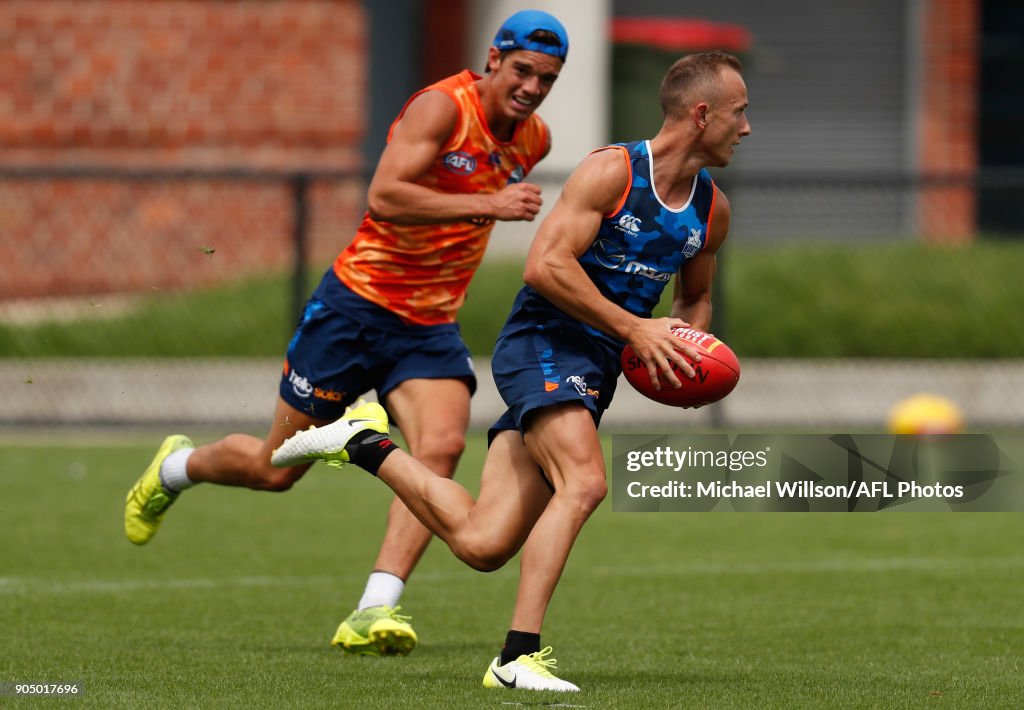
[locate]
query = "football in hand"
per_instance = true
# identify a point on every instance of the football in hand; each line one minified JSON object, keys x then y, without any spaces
{"x":716,"y":374}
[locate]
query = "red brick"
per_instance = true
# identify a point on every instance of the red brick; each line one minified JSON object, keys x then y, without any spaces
{"x":947,"y":133}
{"x":274,"y":84}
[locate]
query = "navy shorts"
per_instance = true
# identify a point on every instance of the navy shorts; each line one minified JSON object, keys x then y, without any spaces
{"x":345,"y":346}
{"x":550,"y":363}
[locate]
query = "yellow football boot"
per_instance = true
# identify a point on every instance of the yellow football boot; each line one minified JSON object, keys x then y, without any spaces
{"x":148,"y":501}
{"x":376,"y":631}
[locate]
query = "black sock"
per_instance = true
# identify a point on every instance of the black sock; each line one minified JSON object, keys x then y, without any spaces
{"x":368,"y":449}
{"x":518,"y":643}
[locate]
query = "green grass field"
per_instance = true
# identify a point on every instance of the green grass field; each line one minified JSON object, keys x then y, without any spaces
{"x":233,"y":604}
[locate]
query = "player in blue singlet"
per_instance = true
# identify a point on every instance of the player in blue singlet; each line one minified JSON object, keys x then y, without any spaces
{"x":638,"y":247}
{"x":628,"y":219}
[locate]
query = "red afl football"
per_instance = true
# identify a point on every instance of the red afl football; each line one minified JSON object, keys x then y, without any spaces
{"x":716,"y":374}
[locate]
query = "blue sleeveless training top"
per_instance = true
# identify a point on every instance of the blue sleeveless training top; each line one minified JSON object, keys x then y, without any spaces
{"x":641,"y":244}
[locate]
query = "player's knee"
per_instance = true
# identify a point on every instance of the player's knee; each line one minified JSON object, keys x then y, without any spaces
{"x":588,"y":494}
{"x":486,"y":561}
{"x":442,"y":451}
{"x":482,"y":555}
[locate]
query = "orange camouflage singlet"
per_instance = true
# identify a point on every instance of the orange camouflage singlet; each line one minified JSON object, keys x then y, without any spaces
{"x":421,"y":272}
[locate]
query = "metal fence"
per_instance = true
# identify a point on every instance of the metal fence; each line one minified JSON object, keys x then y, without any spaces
{"x":86,"y":249}
{"x":848,"y":205}
{"x":83,"y":232}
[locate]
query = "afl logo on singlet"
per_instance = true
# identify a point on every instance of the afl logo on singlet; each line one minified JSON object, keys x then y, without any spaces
{"x":459,"y":162}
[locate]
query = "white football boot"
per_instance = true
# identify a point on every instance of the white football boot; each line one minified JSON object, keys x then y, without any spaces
{"x":528,"y":672}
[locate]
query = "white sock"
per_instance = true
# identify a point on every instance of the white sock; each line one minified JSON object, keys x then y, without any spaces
{"x":172,"y":471}
{"x":382,"y":589}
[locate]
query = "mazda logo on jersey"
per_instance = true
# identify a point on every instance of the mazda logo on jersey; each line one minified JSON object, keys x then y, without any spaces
{"x":459,"y":162}
{"x":608,"y":254}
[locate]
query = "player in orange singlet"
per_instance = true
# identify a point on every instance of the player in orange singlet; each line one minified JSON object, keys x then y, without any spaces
{"x":383,"y":317}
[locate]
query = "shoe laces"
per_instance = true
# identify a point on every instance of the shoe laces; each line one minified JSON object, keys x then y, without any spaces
{"x":393,"y":613}
{"x":541,"y":664}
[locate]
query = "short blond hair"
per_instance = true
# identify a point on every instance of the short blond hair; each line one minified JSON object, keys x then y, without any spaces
{"x":694,"y":78}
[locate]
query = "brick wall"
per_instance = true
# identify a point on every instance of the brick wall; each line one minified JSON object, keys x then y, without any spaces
{"x":269,"y":85}
{"x":949,"y":117}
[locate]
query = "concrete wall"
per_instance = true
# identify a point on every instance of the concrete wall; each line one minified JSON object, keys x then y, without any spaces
{"x":806,"y":395}
{"x":577,"y":107}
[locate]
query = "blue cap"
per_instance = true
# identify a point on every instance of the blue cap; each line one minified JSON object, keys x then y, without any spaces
{"x":515,"y":33}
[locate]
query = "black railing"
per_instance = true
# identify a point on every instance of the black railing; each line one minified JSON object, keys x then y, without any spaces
{"x":298,"y":182}
{"x":999,"y":195}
